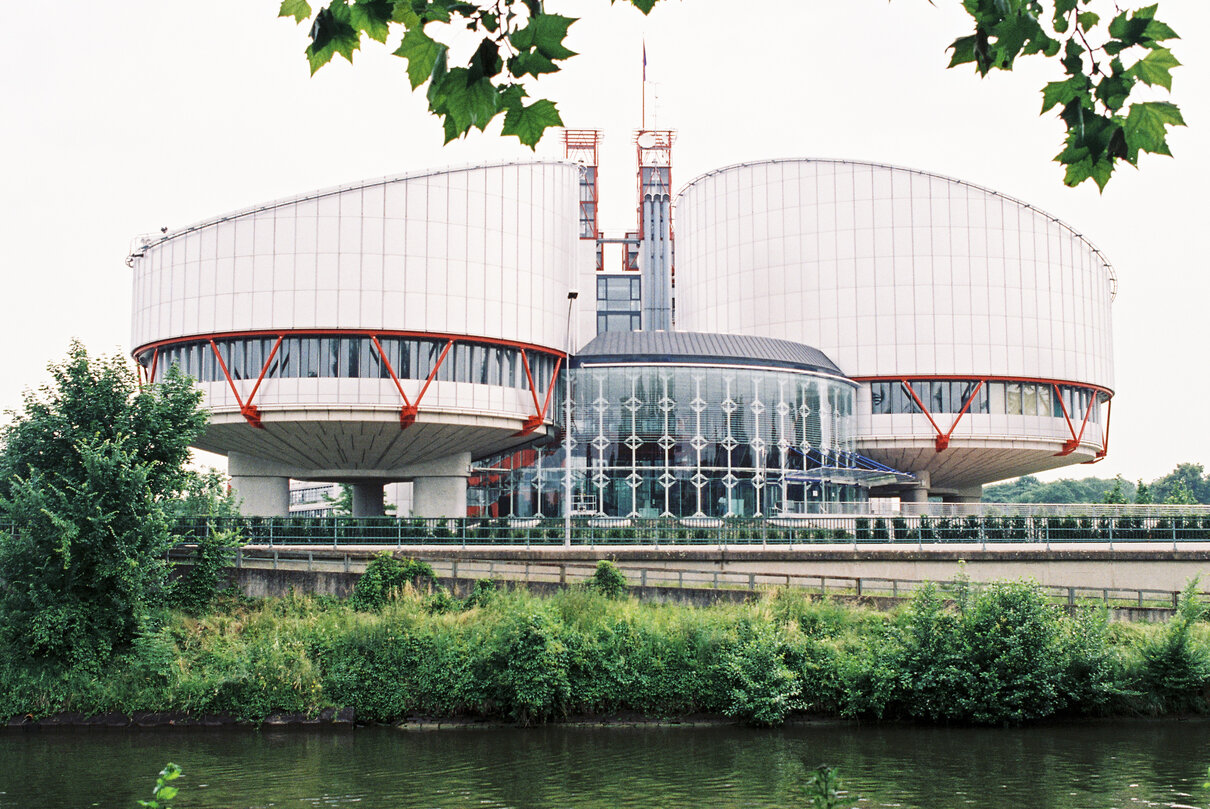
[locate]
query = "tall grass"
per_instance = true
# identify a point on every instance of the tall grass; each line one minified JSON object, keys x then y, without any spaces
{"x":1001,"y":655}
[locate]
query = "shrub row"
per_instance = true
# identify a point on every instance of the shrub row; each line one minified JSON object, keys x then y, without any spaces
{"x":1000,"y":655}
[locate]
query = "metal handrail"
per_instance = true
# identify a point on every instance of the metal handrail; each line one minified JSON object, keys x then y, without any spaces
{"x":818,"y":529}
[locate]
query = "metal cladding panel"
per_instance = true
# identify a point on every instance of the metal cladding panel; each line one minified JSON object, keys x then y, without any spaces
{"x":486,"y":251}
{"x":893,"y":272}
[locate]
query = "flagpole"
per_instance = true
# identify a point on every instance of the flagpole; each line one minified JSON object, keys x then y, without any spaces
{"x":644,"y":116}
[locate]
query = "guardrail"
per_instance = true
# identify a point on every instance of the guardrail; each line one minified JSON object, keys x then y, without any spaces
{"x":815,"y":530}
{"x":568,"y":573}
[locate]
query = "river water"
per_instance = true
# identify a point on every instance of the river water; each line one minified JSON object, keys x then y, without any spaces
{"x":1088,"y":765}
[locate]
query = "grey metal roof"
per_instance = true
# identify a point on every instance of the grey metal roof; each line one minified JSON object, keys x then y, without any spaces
{"x":686,"y":347}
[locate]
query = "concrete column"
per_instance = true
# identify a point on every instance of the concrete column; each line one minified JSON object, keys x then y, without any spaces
{"x":262,"y":487}
{"x":368,"y":499}
{"x":439,"y":496}
{"x":916,"y":494}
{"x":439,"y":487}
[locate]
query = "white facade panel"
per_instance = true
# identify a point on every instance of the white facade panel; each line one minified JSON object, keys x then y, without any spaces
{"x":945,"y":276}
{"x":458,"y":241}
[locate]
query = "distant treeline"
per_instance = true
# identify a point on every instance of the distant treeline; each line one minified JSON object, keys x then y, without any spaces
{"x":1187,"y":484}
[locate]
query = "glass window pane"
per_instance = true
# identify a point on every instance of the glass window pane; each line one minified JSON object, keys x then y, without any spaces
{"x":1012,"y":398}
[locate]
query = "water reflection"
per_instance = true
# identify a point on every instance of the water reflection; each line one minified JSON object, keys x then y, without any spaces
{"x":1092,"y":766}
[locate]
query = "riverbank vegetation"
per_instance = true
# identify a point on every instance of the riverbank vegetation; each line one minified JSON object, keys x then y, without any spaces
{"x":999,"y":655}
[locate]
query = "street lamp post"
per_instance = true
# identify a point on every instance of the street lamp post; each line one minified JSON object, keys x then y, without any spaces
{"x":571,"y":301}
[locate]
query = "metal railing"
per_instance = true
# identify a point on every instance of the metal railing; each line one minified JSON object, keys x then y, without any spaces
{"x":1148,"y":528}
{"x":814,"y":530}
{"x":569,"y":573}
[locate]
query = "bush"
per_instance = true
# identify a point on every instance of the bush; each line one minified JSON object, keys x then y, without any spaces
{"x":1176,"y":667}
{"x":384,"y":579}
{"x":195,"y":591}
{"x":608,"y":580}
{"x":483,"y":593}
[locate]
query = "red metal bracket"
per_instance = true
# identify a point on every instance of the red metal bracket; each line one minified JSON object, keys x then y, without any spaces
{"x":249,"y":411}
{"x":942,"y":441}
{"x":1074,"y":444}
{"x":155,"y":360}
{"x":409,"y":412}
{"x":535,"y":421}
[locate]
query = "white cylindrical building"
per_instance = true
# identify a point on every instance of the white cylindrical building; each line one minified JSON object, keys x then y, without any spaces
{"x":387,"y":330}
{"x":978,"y":325}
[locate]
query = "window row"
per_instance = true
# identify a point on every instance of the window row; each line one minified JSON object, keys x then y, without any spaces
{"x":1008,"y":398}
{"x":355,"y":357}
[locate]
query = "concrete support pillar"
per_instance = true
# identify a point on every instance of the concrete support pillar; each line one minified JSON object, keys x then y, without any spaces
{"x":439,"y":487}
{"x":368,"y":499}
{"x":916,"y":494}
{"x":263,"y":487}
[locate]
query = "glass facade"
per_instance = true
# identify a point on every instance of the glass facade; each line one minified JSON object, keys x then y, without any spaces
{"x":343,"y":356}
{"x":686,"y":441}
{"x":1012,"y":398}
{"x":619,"y":303}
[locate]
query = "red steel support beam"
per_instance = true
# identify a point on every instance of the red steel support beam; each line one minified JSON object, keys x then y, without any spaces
{"x":407,"y":416}
{"x":407,"y":408}
{"x":1100,"y":456}
{"x":944,"y":443}
{"x":943,"y":440}
{"x":1074,"y":444}
{"x":155,"y":360}
{"x":535,"y":421}
{"x":227,"y":374}
{"x":249,"y":411}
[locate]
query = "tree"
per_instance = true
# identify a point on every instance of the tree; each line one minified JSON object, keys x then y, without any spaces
{"x":1188,"y":478}
{"x":206,"y":494}
{"x":1116,"y":495}
{"x":1104,"y":60}
{"x":88,"y":473}
{"x":1142,"y":494}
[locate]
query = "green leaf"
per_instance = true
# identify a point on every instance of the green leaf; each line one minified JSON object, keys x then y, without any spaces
{"x":298,"y":9}
{"x":421,"y":51}
{"x":332,"y":33}
{"x":544,"y":33}
{"x":644,"y":6}
{"x":486,"y":61}
{"x":166,"y":793}
{"x":1158,"y":31}
{"x":1115,"y":88}
{"x":1156,"y":68}
{"x":531,"y":63}
{"x":373,"y":17}
{"x":463,"y":103}
{"x":1087,"y":20}
{"x":528,"y":123}
{"x":1147,"y":125}
{"x":1060,"y":93}
{"x":964,"y":51}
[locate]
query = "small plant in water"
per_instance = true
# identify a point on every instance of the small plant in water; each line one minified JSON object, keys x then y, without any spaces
{"x":823,"y":789}
{"x":163,"y":792}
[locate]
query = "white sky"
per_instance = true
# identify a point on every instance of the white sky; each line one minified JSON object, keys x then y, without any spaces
{"x":147,"y":113}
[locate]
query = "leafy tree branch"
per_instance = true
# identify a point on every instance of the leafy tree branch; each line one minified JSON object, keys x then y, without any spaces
{"x":1105,"y":60}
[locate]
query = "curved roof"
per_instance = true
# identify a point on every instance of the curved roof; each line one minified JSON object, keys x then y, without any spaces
{"x":692,"y":348}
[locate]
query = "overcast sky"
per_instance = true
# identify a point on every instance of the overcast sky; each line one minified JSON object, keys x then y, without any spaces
{"x":146,"y":113}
